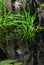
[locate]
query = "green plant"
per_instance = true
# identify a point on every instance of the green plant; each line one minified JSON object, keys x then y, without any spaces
{"x":1,"y":5}
{"x":10,"y":62}
{"x":5,"y":32}
{"x":40,"y":3}
{"x":17,"y":26}
{"x":6,"y":62}
{"x":21,"y":26}
{"x":24,"y":26}
{"x":4,"y":18}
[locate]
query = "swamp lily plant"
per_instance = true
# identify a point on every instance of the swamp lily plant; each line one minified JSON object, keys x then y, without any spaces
{"x":24,"y":26}
{"x":21,"y":24}
{"x":17,"y":26}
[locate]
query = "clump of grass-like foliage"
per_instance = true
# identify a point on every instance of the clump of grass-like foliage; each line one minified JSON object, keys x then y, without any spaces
{"x":19,"y":25}
{"x":25,"y":26}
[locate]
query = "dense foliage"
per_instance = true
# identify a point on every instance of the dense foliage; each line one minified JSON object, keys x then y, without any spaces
{"x":17,"y":26}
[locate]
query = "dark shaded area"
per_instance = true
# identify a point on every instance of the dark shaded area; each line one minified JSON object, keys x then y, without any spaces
{"x":35,"y":54}
{"x":41,"y":1}
{"x":3,"y":55}
{"x":13,"y":7}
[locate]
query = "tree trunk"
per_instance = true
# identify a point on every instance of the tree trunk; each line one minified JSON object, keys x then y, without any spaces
{"x":8,"y":5}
